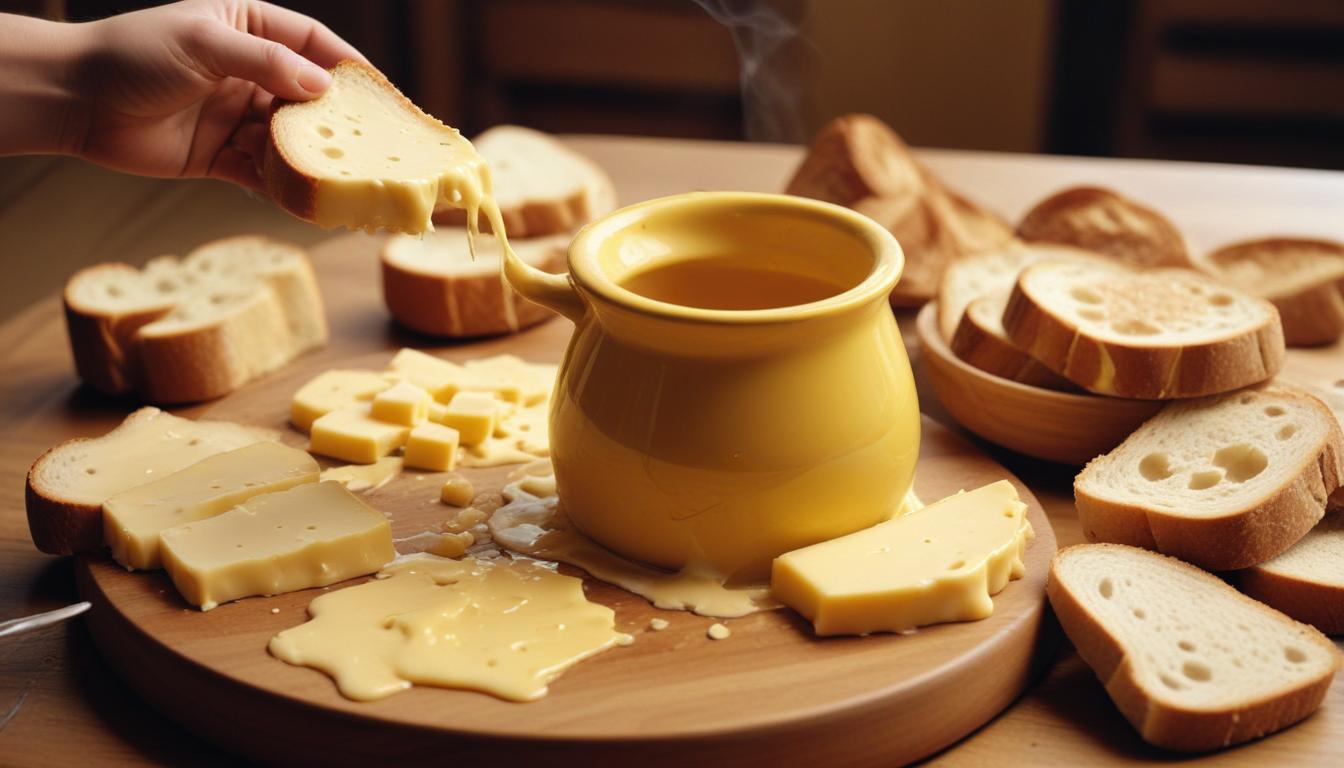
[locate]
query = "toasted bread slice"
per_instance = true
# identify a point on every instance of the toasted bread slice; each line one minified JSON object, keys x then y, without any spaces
{"x":198,"y":328}
{"x":1304,"y":279}
{"x":981,"y":273}
{"x":981,"y":341}
{"x":1307,"y":581}
{"x":1101,"y":220}
{"x":1191,"y":663}
{"x":363,"y":156}
{"x":1151,"y":335}
{"x":68,"y":484}
{"x":541,"y":186}
{"x":855,"y":157}
{"x":1223,"y":482}
{"x":432,"y":284}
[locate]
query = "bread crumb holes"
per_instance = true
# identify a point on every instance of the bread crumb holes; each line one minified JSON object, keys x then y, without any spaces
{"x":325,"y":132}
{"x":1106,"y":588}
{"x":333,"y":152}
{"x":1155,"y":467}
{"x":1201,"y":481}
{"x":1197,"y":671}
{"x":1286,"y":431}
{"x":1295,"y":655}
{"x":1136,"y":328}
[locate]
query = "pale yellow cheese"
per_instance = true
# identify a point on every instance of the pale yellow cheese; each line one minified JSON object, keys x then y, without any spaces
{"x":432,"y":447}
{"x":457,"y":491}
{"x":436,"y":376}
{"x":402,"y":403}
{"x":132,"y":520}
{"x":333,"y":390}
{"x":936,"y":565}
{"x":365,"y":477}
{"x":353,"y":435}
{"x":504,"y":627}
{"x":436,"y":411}
{"x":474,"y":416}
{"x":308,"y":536}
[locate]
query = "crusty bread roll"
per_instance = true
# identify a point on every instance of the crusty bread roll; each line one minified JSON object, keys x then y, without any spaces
{"x":1304,"y":279}
{"x":1101,"y":220}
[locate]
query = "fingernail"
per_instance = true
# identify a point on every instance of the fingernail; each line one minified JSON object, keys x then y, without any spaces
{"x":313,"y":79}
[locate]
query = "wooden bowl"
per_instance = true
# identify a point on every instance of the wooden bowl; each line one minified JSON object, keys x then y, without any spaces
{"x":1067,"y":427}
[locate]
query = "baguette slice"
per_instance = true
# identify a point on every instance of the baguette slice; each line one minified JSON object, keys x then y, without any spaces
{"x":1151,"y":335}
{"x":1101,"y":220}
{"x":1307,"y":581}
{"x":1304,"y":279}
{"x":68,"y":484}
{"x":981,"y":341}
{"x":198,"y":328}
{"x":541,"y":186}
{"x":363,"y":156}
{"x":855,"y":157}
{"x":1223,"y":482}
{"x":1190,"y":662}
{"x":990,"y":271}
{"x":433,"y":286}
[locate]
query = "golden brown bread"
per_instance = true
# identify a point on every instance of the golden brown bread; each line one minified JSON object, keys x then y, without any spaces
{"x":1104,"y":221}
{"x":1302,"y":278}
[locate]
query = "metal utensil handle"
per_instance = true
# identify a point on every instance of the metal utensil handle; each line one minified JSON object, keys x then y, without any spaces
{"x":40,"y":620}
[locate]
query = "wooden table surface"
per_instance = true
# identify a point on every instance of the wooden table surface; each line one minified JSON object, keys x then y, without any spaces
{"x":60,"y":704}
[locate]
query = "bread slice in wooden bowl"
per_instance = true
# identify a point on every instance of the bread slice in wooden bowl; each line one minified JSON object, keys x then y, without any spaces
{"x":1102,"y":220}
{"x":981,"y":341}
{"x":1224,"y":482}
{"x":1304,"y":279}
{"x":1153,"y":334}
{"x":1193,"y":664}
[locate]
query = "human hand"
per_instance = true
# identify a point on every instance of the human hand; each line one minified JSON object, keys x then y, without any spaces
{"x":185,"y":90}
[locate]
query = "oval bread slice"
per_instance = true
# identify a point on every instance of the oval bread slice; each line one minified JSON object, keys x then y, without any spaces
{"x":1223,"y":482}
{"x":1151,"y":335}
{"x":854,"y":157}
{"x":433,"y":286}
{"x":981,"y":341}
{"x":1304,"y":279}
{"x":1191,"y":663}
{"x":1307,"y":581}
{"x":1104,"y":221}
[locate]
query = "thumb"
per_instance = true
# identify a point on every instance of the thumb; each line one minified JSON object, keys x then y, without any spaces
{"x":226,"y":52}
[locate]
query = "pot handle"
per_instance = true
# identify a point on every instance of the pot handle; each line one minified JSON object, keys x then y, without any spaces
{"x":555,"y":292}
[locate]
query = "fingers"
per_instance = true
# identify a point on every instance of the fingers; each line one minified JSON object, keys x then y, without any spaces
{"x":226,"y":52}
{"x":300,"y":33}
{"x":235,"y":165}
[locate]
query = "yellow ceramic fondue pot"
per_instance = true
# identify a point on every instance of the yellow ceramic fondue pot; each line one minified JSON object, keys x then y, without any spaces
{"x":692,"y":435}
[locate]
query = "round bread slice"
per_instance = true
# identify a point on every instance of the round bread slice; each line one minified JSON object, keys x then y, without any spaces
{"x":542,"y":187}
{"x":1304,"y":279}
{"x":1307,"y":581}
{"x":854,"y":157}
{"x":1223,"y":482}
{"x":1192,"y":664}
{"x":1151,"y":335}
{"x":433,"y":286}
{"x":981,"y":341}
{"x":1101,"y":220}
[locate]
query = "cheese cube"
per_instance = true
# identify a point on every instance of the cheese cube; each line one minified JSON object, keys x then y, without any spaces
{"x":353,"y":435}
{"x":436,"y":376}
{"x":133,"y":519}
{"x":402,"y":403}
{"x":432,"y":447}
{"x":309,"y":536}
{"x":331,"y":391}
{"x":437,"y":411}
{"x":936,"y":565}
{"x":473,"y":415}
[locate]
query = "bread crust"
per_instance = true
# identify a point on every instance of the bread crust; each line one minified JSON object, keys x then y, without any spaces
{"x":854,"y":157}
{"x":103,"y":344}
{"x":983,"y":349}
{"x":1239,"y":539}
{"x":1056,"y":219}
{"x":1312,"y":602}
{"x":1160,"y":723}
{"x":60,"y":526}
{"x":1311,"y":316}
{"x":1142,"y":372}
{"x":459,"y":306}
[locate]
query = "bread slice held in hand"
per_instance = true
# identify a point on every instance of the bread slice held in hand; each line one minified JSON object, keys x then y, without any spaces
{"x":194,"y":329}
{"x":432,"y":284}
{"x":1223,"y":482}
{"x":1307,"y":581}
{"x":1191,"y":663}
{"x":1153,"y":335}
{"x":1304,"y":279}
{"x":1101,"y":220}
{"x":541,"y":186}
{"x":981,"y":341}
{"x":68,"y":484}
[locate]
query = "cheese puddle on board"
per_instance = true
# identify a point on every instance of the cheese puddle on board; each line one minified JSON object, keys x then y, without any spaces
{"x":133,"y":519}
{"x":936,"y":565}
{"x":533,"y":523}
{"x":308,"y":536}
{"x":503,"y":627}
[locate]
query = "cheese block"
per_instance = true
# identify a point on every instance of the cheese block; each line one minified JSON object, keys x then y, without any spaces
{"x":353,"y":435}
{"x":432,"y":374}
{"x":509,"y":378}
{"x":432,"y":447}
{"x":474,"y":416}
{"x":331,"y":391}
{"x":309,"y":536}
{"x":402,"y":403}
{"x":939,"y":564}
{"x":68,"y":484}
{"x":132,"y":520}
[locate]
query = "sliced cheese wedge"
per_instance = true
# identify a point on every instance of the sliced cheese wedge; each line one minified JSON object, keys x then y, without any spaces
{"x":309,"y":536}
{"x":936,"y":565}
{"x":132,"y":520}
{"x":331,"y":391}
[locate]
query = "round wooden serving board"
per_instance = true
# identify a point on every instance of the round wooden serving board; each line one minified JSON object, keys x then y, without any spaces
{"x":771,"y":694}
